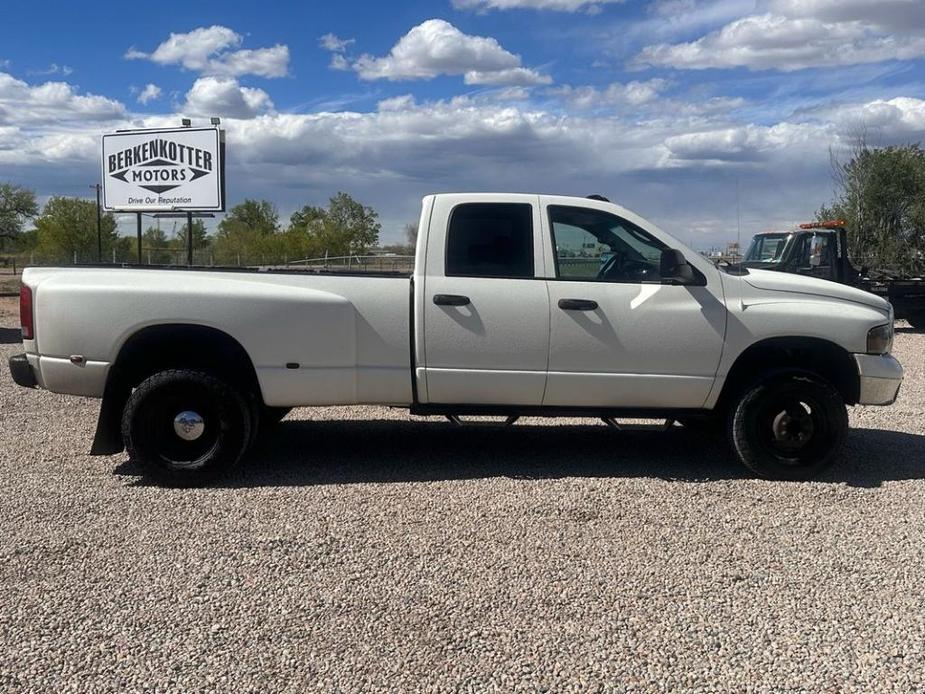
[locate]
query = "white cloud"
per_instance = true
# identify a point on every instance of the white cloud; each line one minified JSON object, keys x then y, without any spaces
{"x":511,"y":94}
{"x":151,"y":92}
{"x":436,"y":47}
{"x":264,"y":62}
{"x":741,"y":143}
{"x":224,"y":97}
{"x":668,"y":19}
{"x":335,"y":44}
{"x":192,"y":50}
{"x":652,"y":158}
{"x":795,"y":35}
{"x":633,"y":93}
{"x":558,"y":5}
{"x":52,"y":102}
{"x":901,"y":118}
{"x":52,"y":69}
{"x":206,"y":50}
{"x":902,"y":16}
{"x":339,"y":62}
{"x":397,"y":103}
{"x":515,"y":77}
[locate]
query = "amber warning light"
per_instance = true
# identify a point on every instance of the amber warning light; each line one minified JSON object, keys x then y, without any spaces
{"x":828,"y":224}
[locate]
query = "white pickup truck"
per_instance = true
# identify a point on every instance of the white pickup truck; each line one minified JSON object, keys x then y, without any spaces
{"x":518,"y":305}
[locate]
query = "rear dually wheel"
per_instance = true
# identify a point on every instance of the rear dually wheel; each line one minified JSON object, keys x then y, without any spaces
{"x":185,"y":428}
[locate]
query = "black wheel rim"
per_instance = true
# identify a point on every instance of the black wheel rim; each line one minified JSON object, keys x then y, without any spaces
{"x":159,"y":435}
{"x":792,"y":427}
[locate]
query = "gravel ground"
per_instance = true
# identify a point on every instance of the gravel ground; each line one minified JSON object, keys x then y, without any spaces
{"x":362,"y":550}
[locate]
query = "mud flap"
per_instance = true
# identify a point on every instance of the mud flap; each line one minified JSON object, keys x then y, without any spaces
{"x":108,"y":438}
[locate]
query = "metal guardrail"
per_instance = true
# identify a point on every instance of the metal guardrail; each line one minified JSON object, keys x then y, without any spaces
{"x":358,"y":263}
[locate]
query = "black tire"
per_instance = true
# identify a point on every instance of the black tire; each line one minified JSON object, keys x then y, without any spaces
{"x":789,"y":427}
{"x":153,"y":437}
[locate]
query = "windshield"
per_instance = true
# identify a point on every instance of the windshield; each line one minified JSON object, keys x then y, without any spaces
{"x":766,"y":248}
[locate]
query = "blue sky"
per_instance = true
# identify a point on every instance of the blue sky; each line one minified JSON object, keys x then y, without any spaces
{"x":667,"y":106}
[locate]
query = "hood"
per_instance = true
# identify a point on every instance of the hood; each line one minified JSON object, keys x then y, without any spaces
{"x":771,"y":280}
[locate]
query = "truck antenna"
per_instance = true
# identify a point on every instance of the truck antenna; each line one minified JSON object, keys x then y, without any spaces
{"x":738,"y":222}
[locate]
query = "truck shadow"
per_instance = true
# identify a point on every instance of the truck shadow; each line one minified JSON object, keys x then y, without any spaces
{"x":10,"y":336}
{"x":302,"y":453}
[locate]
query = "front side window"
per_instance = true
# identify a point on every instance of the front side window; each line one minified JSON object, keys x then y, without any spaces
{"x":490,"y":240}
{"x":767,"y":248}
{"x":594,"y":245}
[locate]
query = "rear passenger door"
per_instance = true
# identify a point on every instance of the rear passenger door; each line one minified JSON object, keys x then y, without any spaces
{"x":486,"y":308}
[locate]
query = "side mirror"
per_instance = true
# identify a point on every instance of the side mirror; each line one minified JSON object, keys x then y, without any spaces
{"x":674,"y":269}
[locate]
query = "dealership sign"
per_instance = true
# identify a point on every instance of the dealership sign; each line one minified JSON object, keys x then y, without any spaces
{"x":175,"y":169}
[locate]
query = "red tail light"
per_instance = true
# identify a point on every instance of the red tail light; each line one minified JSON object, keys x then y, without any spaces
{"x":25,"y":313}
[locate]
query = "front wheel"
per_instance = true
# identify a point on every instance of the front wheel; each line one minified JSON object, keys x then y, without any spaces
{"x":185,"y":428}
{"x":789,"y":427}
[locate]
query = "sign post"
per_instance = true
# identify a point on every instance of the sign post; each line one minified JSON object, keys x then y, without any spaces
{"x":139,"y":237}
{"x":164,"y":170}
{"x":189,"y":238}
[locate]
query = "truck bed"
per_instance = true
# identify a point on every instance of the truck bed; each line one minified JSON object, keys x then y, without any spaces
{"x":314,"y":337}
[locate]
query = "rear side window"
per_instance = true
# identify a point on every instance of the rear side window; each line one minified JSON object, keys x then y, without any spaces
{"x":490,"y":240}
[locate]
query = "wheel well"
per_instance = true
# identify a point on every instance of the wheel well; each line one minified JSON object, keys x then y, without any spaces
{"x":806,"y":354}
{"x":171,"y":346}
{"x":174,"y":346}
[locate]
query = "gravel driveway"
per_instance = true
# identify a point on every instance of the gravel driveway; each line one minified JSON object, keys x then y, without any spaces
{"x":363,"y":550}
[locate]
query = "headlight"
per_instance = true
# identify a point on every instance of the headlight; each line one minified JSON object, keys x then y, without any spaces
{"x":880,"y":339}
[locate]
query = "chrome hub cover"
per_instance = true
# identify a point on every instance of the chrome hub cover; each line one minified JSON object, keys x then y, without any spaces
{"x":188,"y":425}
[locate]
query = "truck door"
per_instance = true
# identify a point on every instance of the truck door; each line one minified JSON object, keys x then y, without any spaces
{"x":618,"y":336}
{"x":484,"y":306}
{"x":817,"y":255}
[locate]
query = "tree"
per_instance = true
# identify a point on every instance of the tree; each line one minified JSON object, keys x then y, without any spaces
{"x":307,"y":218}
{"x":350,"y":227}
{"x":345,"y":227}
{"x":411,"y":234}
{"x":17,"y":204}
{"x":156,"y":246}
{"x":67,"y":226}
{"x":200,"y":235}
{"x":302,"y":238}
{"x":248,"y":234}
{"x":257,"y":215}
{"x":880,"y":194}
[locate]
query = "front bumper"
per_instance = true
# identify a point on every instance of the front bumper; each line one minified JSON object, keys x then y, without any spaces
{"x":880,"y":378}
{"x":22,"y":372}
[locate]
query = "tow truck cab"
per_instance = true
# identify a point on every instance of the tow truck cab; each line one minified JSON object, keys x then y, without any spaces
{"x":820,"y":249}
{"x":815,"y":249}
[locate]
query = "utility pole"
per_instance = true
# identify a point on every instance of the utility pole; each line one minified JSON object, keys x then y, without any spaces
{"x":99,"y":225}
